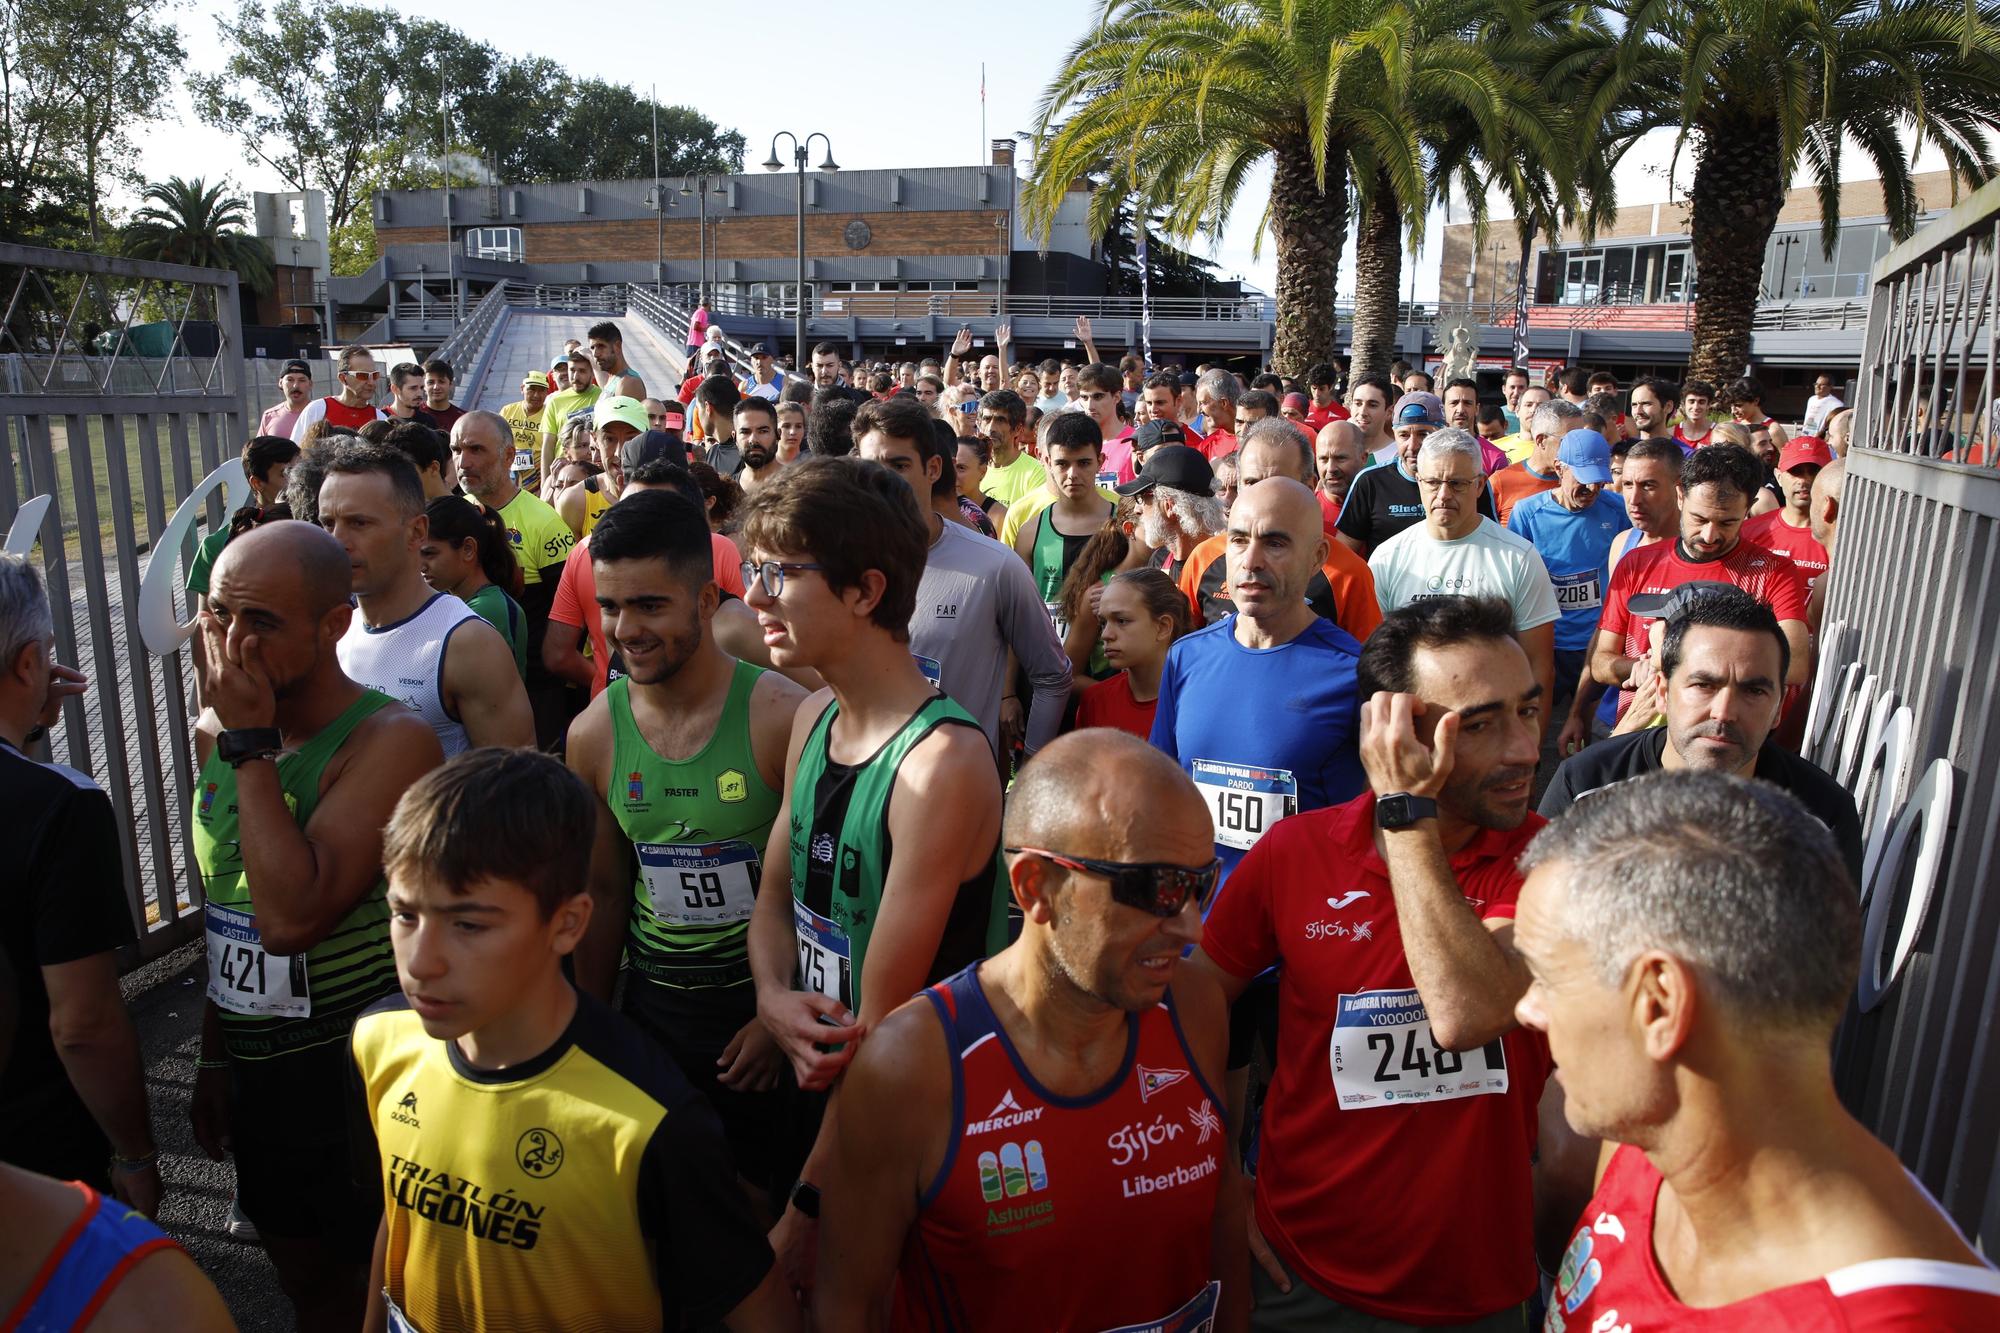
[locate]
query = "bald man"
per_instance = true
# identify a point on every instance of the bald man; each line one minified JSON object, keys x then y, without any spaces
{"x":1093,"y":1120}
{"x":1341,"y":590}
{"x":1339,"y":455}
{"x":300,"y":769}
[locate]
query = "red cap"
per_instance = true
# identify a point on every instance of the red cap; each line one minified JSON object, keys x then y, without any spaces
{"x":1804,"y":449}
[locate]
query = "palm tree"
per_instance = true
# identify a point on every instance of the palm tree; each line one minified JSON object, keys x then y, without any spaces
{"x":1184,"y":98}
{"x":1764,"y":87}
{"x":193,"y":222}
{"x":1188,"y":95}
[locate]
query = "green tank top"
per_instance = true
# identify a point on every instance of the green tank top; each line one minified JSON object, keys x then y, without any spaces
{"x":840,"y":851}
{"x":698,"y":828}
{"x":1050,"y":556}
{"x":271,"y":1004}
{"x":503,"y":613}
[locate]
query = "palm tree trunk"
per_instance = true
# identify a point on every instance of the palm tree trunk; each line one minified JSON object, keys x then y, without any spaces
{"x":1309,"y":230}
{"x":1378,"y":272}
{"x":1739,"y":186}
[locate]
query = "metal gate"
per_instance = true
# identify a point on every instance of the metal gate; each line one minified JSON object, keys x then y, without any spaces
{"x":121,"y":387}
{"x":1905,"y":713}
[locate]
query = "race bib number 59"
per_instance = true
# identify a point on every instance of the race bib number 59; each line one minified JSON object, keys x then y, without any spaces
{"x":243,"y":978}
{"x":1383,"y":1054}
{"x":691,"y":885}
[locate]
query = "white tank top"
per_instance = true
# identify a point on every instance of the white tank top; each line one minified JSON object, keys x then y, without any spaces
{"x":406,"y":662}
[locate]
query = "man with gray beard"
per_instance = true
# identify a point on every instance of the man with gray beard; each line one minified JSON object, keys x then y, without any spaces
{"x":1177,"y":509}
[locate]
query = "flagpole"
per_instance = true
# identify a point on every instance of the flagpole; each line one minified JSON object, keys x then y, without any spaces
{"x":980,"y":158}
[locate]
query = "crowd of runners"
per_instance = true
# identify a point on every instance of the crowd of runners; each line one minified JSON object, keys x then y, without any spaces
{"x":973,"y":845}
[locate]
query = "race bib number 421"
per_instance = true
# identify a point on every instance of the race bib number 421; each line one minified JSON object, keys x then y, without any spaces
{"x":1383,"y":1054}
{"x":243,"y":978}
{"x":1243,"y":801}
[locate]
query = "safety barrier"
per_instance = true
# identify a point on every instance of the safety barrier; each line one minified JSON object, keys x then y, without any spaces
{"x":1905,"y":714}
{"x":100,"y":451}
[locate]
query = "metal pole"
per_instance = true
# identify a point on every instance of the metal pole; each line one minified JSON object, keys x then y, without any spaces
{"x":450,"y":259}
{"x":799,"y":304}
{"x":701,"y":228}
{"x":659,"y":195}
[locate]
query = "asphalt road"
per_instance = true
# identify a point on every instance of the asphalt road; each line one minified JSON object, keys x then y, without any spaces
{"x":165,"y":1000}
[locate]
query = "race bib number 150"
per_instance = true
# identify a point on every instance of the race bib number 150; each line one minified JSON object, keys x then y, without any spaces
{"x":1244,"y":801}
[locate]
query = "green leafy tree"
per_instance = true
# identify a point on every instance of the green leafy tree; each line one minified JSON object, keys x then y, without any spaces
{"x":309,"y":84}
{"x":1762,"y":89}
{"x":193,"y":222}
{"x":76,"y":77}
{"x":1170,"y":271}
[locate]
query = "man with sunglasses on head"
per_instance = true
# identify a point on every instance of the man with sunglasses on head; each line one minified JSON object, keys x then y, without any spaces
{"x":882,"y":876}
{"x":1393,"y":1184}
{"x":354,"y":406}
{"x":1085,"y":1146}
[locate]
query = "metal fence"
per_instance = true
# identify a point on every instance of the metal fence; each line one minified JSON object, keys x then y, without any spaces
{"x":117,"y":442}
{"x":1905,"y":713}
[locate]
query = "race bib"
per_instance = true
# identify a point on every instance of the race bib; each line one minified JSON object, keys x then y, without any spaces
{"x":1056,"y":618}
{"x":825,"y":955}
{"x":244,"y":979}
{"x":1384,"y":1055}
{"x":691,"y":885}
{"x":1197,"y":1316}
{"x":1578,"y":592}
{"x":929,"y":666}
{"x":1106,"y":480}
{"x":1244,"y":801}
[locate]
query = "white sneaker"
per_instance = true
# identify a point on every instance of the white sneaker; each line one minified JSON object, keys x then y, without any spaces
{"x":239,"y":1226}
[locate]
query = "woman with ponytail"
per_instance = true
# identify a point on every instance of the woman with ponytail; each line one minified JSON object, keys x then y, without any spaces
{"x":466,"y":553}
{"x":1143,"y":612}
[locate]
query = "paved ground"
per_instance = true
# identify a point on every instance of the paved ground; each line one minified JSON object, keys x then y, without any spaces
{"x":165,"y":1000}
{"x":531,"y":341}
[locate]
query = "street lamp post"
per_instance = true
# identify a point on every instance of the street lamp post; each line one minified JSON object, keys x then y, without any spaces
{"x":699,"y":185}
{"x":774,"y":163}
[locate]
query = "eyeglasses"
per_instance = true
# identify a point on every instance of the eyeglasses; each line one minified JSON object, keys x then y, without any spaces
{"x":1151,"y":886}
{"x":770,"y":575}
{"x":1456,"y":485}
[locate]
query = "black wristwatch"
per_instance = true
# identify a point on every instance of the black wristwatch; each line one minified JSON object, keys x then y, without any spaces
{"x":239,"y":746}
{"x":1399,"y":810}
{"x":805,"y":1198}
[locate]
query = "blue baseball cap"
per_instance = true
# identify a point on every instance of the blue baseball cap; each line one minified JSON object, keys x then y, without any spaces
{"x":1418,"y":409}
{"x":1587,"y":455}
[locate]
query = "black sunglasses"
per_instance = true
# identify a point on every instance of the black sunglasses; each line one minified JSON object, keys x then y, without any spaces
{"x":1150,"y":886}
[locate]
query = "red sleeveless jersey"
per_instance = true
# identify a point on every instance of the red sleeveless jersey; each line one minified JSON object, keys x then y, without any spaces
{"x":1075,"y":1213}
{"x":354,"y":418}
{"x":1610,"y":1281}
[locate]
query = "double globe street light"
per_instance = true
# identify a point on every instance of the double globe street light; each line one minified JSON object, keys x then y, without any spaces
{"x":775,"y":163}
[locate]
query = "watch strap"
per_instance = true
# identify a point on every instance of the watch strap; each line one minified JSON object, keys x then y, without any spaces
{"x":239,"y":745}
{"x":1399,"y":810}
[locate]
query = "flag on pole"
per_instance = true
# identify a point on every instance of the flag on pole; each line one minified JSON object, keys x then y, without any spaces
{"x":1145,"y":299}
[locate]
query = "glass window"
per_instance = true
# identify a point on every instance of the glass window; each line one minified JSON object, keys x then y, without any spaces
{"x":502,"y":243}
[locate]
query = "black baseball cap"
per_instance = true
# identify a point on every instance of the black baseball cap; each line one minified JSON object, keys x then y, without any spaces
{"x":643,"y":449}
{"x":760,"y":349}
{"x":1152,"y":434}
{"x":1174,"y":466}
{"x":295,"y":368}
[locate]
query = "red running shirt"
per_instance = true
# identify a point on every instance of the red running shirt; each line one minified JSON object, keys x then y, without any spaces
{"x":1075,"y":1213}
{"x":353,"y":418}
{"x":1660,"y":567}
{"x":1611,"y":1280}
{"x":1797,"y":545}
{"x":1393,"y":1177}
{"x":1109,"y":703}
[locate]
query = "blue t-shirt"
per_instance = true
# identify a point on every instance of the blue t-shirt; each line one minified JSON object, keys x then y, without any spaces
{"x":1576,"y":548}
{"x":1264,"y":732}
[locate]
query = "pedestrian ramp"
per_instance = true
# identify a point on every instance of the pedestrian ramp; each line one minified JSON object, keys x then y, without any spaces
{"x":531,"y":340}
